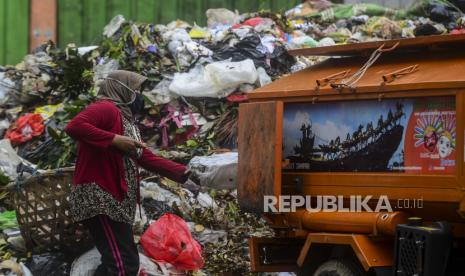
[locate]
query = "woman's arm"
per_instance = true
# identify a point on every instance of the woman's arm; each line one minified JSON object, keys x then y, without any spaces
{"x":162,"y":166}
{"x":87,"y":125}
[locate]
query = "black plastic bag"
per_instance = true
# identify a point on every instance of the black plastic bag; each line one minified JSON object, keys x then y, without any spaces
{"x":244,"y":49}
{"x":154,"y":209}
{"x":426,"y":29}
{"x":49,"y":264}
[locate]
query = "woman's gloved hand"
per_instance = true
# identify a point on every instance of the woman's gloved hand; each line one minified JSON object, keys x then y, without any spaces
{"x":192,"y":182}
{"x":127,"y":145}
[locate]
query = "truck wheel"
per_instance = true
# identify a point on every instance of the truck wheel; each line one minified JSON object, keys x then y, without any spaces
{"x":339,"y":268}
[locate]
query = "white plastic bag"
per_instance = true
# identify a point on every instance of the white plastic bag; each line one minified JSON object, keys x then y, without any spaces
{"x":87,"y":264}
{"x":221,"y":16}
{"x":161,"y":93}
{"x":84,"y":50}
{"x":6,"y":87}
{"x":204,"y":235}
{"x":217,"y":171}
{"x":263,"y":77}
{"x":9,"y":160}
{"x":102,"y":69}
{"x":154,"y":191}
{"x":216,"y":80}
{"x":114,"y":25}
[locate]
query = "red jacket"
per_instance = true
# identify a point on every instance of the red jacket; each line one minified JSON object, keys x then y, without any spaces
{"x":99,"y":162}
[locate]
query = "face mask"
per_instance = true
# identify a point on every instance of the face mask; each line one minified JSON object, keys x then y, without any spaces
{"x":137,"y":106}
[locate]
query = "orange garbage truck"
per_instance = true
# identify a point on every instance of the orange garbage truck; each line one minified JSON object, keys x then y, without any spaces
{"x":358,"y":162}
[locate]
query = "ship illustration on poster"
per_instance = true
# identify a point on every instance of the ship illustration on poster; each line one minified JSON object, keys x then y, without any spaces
{"x":369,"y":148}
{"x":414,"y":136}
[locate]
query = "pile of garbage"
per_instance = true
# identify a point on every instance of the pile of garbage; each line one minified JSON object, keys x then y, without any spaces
{"x":197,"y":77}
{"x":320,"y":23}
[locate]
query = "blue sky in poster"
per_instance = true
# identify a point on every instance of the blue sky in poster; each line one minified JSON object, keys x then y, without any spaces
{"x":330,"y":120}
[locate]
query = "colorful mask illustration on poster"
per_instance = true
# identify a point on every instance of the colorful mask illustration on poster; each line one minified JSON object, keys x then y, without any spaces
{"x":434,"y":136}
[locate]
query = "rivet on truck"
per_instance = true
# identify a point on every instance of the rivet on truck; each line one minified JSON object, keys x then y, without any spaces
{"x":375,"y":124}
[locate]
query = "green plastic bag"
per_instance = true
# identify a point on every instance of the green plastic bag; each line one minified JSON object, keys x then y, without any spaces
{"x":345,"y":11}
{"x":8,"y":220}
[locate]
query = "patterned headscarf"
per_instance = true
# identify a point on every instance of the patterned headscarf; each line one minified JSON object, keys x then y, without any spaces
{"x":120,"y":87}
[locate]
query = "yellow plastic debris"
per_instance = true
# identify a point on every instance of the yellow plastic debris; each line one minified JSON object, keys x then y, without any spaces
{"x":198,"y":32}
{"x":47,"y":111}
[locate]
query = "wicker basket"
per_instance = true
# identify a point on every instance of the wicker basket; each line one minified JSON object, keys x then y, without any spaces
{"x":42,"y":210}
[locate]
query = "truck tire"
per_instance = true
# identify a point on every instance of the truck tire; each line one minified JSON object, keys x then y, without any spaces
{"x":339,"y":268}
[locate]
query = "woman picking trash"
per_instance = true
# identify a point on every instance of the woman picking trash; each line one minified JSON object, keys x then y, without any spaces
{"x":106,"y":186}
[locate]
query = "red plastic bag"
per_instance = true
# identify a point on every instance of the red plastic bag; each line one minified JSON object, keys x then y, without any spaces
{"x":26,"y":127}
{"x":168,"y":240}
{"x":237,"y":98}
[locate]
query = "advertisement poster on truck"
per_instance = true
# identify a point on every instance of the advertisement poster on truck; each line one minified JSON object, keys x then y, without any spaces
{"x":414,"y":136}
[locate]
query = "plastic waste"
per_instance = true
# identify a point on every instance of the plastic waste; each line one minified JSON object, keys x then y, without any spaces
{"x":155,"y":208}
{"x":194,"y":118}
{"x":183,"y":48}
{"x":427,"y":27}
{"x":260,"y":24}
{"x":49,"y":264}
{"x":325,"y":42}
{"x":168,"y":240}
{"x":206,"y":201}
{"x":140,"y":219}
{"x":32,"y":63}
{"x":17,"y":243}
{"x":9,"y":159}
{"x":267,"y":44}
{"x":280,"y":62}
{"x":8,"y":220}
{"x":246,"y":48}
{"x":47,"y":111}
{"x":84,"y":50}
{"x":151,"y":190}
{"x":103,"y":68}
{"x":216,"y":80}
{"x":275,"y":64}
{"x":237,"y":98}
{"x":263,"y":78}
{"x":346,"y":11}
{"x":87,"y":264}
{"x":221,"y":17}
{"x":308,"y":8}
{"x":161,"y":94}
{"x":383,"y":27}
{"x":303,"y":42}
{"x":216,"y":171}
{"x":198,"y":32}
{"x":204,"y":235}
{"x":10,"y":267}
{"x":114,"y":25}
{"x":25,"y":128}
{"x":4,"y":125}
{"x":6,"y":87}
{"x":25,"y":270}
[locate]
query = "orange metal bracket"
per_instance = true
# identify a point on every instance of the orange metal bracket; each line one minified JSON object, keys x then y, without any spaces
{"x":332,"y":78}
{"x":370,"y":252}
{"x":387,"y":78}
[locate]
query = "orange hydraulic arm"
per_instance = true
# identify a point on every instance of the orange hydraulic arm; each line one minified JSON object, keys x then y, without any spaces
{"x":347,"y":222}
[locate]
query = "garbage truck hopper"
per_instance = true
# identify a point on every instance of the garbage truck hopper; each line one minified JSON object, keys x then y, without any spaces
{"x":358,"y":161}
